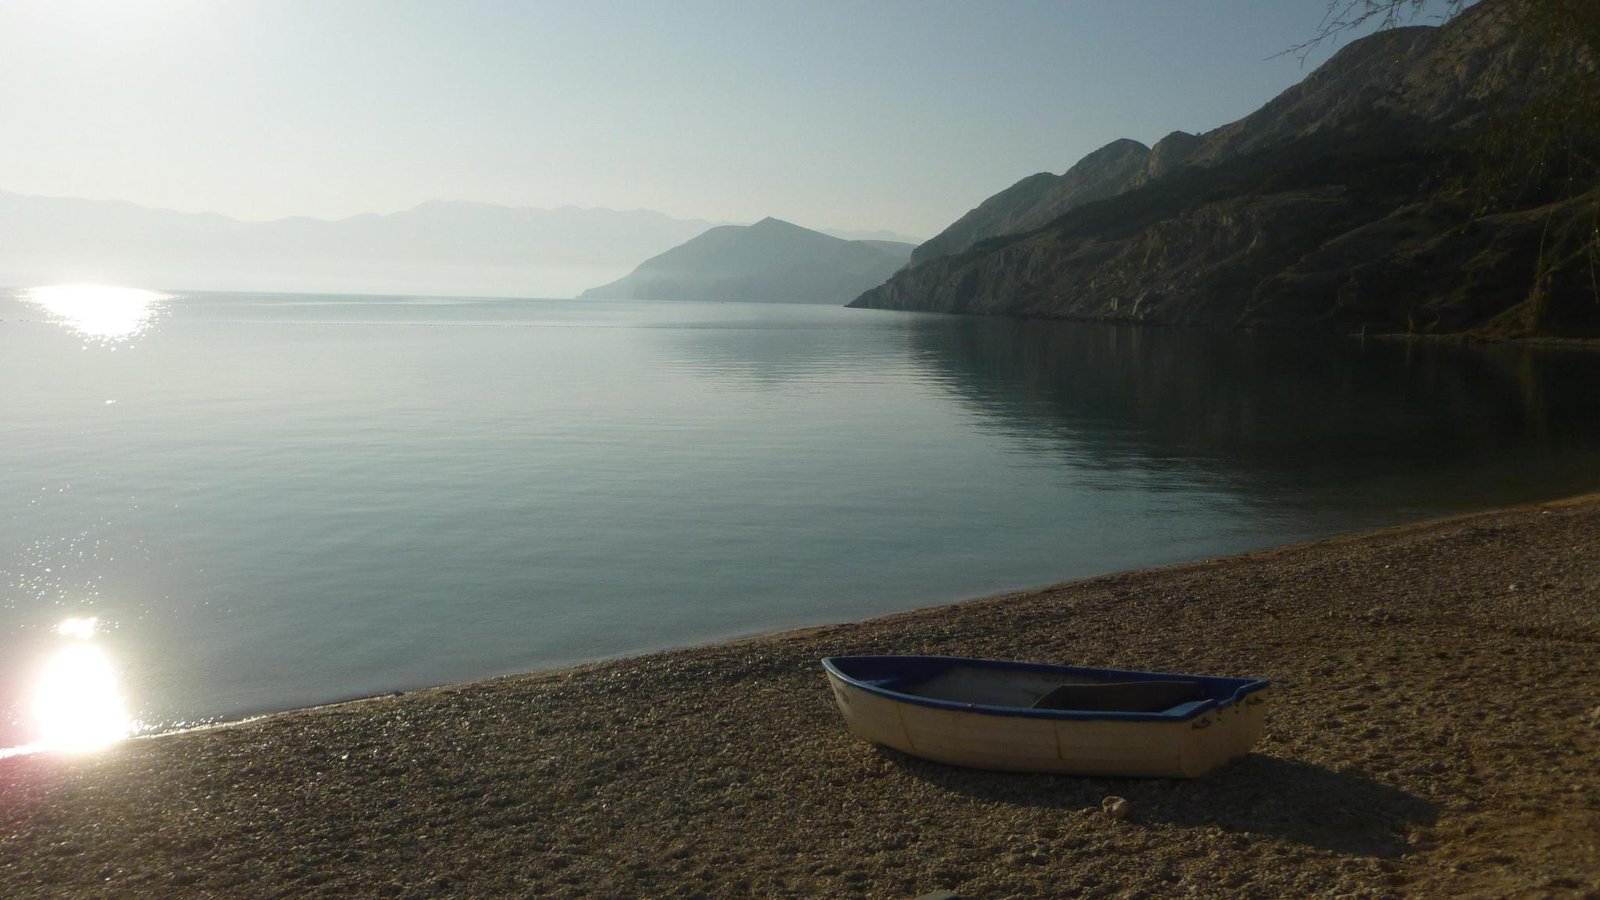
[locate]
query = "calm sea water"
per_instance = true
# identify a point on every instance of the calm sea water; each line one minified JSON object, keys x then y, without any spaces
{"x":275,"y":501}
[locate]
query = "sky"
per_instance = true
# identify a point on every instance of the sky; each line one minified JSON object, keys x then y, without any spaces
{"x":848,"y":114}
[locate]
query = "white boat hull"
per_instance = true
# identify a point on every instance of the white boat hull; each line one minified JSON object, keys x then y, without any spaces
{"x":982,"y":740}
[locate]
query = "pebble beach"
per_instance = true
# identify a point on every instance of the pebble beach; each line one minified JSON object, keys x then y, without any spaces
{"x":1434,"y":731}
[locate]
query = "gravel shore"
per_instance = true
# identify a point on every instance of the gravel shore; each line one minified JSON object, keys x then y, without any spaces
{"x":1435,"y":732}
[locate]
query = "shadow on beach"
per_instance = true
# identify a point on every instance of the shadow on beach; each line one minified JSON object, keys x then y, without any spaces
{"x":1343,"y":812}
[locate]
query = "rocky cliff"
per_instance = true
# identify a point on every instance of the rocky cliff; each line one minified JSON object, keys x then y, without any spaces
{"x":1037,"y":199}
{"x":1339,"y":204}
{"x":770,"y":261}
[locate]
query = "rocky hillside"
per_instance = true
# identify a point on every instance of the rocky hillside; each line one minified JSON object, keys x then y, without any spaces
{"x":770,"y":261}
{"x":1339,"y":204}
{"x":1038,"y":199}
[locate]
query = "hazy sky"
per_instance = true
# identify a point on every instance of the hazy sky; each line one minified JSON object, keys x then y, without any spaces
{"x":897,"y":114}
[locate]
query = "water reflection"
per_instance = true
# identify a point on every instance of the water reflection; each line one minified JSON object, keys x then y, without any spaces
{"x":543,"y":474}
{"x":77,"y":703}
{"x":100,"y":313}
{"x":1296,"y":420}
{"x":769,"y":346}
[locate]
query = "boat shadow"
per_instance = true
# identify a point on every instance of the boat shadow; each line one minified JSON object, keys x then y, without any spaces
{"x":1343,"y":812}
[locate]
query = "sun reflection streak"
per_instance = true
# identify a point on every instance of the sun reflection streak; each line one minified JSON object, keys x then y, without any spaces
{"x":98,"y":312}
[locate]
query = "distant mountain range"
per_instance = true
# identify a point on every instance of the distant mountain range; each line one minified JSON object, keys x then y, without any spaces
{"x":439,"y":247}
{"x":770,"y":261}
{"x":1344,"y":203}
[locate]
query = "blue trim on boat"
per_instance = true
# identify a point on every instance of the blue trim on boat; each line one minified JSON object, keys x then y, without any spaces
{"x":881,"y":674}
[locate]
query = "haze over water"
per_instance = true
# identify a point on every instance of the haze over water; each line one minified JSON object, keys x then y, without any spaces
{"x":269,"y":501}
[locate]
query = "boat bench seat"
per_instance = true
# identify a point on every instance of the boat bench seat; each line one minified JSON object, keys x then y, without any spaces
{"x":1123,"y":696}
{"x":1184,"y":709}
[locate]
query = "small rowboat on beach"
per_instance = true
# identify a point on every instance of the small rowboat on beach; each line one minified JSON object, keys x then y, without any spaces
{"x":1029,"y":717}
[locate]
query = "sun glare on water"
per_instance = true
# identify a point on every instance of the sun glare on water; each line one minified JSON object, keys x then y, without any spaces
{"x":99,"y":312}
{"x":77,"y":706}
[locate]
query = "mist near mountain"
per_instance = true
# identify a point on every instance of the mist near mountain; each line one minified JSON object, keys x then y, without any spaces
{"x":880,"y":234}
{"x":446,"y":248}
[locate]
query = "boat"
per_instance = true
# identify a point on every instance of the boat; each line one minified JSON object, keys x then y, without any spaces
{"x":1032,"y":717}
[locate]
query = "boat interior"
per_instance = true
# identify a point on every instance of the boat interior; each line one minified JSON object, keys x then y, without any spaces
{"x":1047,"y":688}
{"x":999,"y":687}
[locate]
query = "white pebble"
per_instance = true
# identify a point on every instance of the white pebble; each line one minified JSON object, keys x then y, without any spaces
{"x":1116,"y":807}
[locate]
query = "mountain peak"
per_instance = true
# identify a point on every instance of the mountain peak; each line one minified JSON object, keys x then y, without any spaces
{"x":771,"y":260}
{"x":1041,"y":197}
{"x":772,"y":224}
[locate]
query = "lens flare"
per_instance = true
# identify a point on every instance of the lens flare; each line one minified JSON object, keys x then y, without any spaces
{"x":77,"y":705}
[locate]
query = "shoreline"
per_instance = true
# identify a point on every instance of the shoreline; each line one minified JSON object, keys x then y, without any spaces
{"x":1471,"y":339}
{"x":1436,"y":718}
{"x":804,"y":631}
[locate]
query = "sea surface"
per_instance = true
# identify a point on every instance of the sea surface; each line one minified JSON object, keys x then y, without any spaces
{"x":244,"y":503}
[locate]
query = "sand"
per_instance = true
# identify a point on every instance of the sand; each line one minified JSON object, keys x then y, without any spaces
{"x":1435,"y":732}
